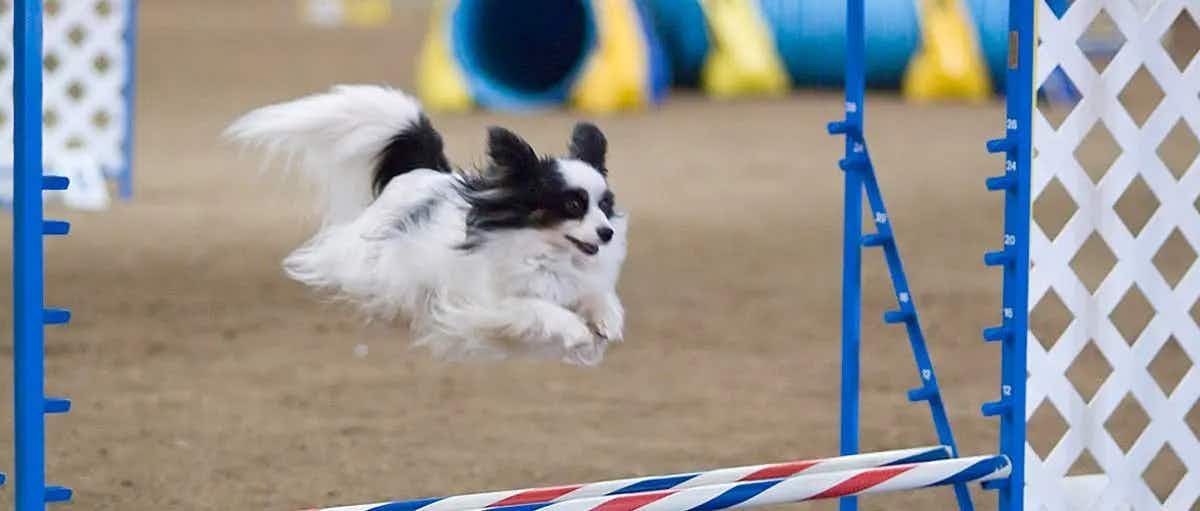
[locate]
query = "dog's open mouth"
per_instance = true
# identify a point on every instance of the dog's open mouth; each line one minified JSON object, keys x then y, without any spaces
{"x":583,"y":246}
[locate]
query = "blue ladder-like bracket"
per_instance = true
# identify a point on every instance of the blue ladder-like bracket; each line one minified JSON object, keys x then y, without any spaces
{"x":996,"y":408}
{"x":876,"y":240}
{"x":856,"y":163}
{"x":898,"y":316}
{"x":3,"y":478}
{"x":57,"y":494}
{"x":998,"y":258}
{"x":55,"y":228}
{"x":1001,"y":145}
{"x":844,"y":128}
{"x":996,"y":334}
{"x":55,"y":183}
{"x":57,"y":405}
{"x":860,"y":178}
{"x":1002,"y":183}
{"x":925,"y":393}
{"x":52,"y":316}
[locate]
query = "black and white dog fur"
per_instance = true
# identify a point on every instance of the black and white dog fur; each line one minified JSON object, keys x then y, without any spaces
{"x":520,"y":258}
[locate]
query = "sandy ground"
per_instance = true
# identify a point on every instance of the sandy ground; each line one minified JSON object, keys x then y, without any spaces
{"x":204,"y":379}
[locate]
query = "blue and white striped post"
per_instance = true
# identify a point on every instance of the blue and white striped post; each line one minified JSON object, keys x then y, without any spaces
{"x":1015,"y":183}
{"x":29,"y":313}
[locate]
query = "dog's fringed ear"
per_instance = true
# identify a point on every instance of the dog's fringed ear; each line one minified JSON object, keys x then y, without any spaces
{"x":509,"y":151}
{"x":589,"y":146}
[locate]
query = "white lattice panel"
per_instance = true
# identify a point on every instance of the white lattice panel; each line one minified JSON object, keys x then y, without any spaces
{"x":1119,"y":215}
{"x":86,"y":60}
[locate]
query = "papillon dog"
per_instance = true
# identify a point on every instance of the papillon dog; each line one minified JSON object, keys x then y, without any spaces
{"x":518,"y":258}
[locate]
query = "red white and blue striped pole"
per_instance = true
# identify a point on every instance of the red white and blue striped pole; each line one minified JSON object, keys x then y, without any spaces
{"x":799,"y":488}
{"x":532,"y":498}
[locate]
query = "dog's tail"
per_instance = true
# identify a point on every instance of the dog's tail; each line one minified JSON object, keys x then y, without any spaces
{"x":350,"y":141}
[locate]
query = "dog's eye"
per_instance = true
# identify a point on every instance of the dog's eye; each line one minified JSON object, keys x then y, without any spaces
{"x":574,"y":206}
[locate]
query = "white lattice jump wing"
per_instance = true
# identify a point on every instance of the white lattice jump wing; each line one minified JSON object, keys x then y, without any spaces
{"x":87,"y":68}
{"x":1114,"y":97}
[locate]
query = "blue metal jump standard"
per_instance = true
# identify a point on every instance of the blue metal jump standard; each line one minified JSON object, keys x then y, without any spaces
{"x":30,"y":316}
{"x":1013,"y":257}
{"x":860,"y":177}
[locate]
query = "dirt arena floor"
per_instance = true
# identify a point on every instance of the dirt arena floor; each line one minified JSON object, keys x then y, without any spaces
{"x":203,"y":379}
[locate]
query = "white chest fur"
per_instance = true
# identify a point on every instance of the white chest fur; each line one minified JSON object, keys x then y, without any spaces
{"x":551,"y":277}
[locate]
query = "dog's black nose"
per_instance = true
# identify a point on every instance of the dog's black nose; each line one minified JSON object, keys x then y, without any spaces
{"x":605,"y":234}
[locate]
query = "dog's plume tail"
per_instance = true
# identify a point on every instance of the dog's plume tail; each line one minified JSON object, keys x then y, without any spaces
{"x":350,"y":141}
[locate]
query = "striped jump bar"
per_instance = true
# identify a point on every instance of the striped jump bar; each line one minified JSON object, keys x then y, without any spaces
{"x":797,"y":488}
{"x":639,"y":485}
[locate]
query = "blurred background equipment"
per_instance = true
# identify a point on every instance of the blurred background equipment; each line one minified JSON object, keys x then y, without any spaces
{"x":613,"y":55}
{"x":620,"y":55}
{"x":600,"y":55}
{"x":741,"y":59}
{"x":948,"y":64}
{"x":629,"y":69}
{"x":810,"y":36}
{"x":346,"y":13}
{"x":88,"y":63}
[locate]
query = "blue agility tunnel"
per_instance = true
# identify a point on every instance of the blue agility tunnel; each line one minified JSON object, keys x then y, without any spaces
{"x":683,"y":31}
{"x":518,"y":55}
{"x":609,"y":55}
{"x":991,"y":23}
{"x":810,"y":37}
{"x":597,"y":55}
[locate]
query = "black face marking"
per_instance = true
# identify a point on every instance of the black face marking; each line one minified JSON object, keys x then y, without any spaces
{"x":574,"y":203}
{"x":607,"y":201}
{"x":418,"y":146}
{"x":517,"y":190}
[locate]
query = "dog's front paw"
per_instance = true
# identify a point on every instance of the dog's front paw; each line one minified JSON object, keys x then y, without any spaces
{"x":581,"y":346}
{"x":605,"y":317}
{"x":589,"y":354}
{"x":576,"y":334}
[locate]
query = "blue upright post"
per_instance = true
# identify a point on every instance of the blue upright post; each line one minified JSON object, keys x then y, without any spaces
{"x":27,"y":254}
{"x":1017,"y":147}
{"x":125,"y":179}
{"x":851,"y":235}
{"x":29,"y":313}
